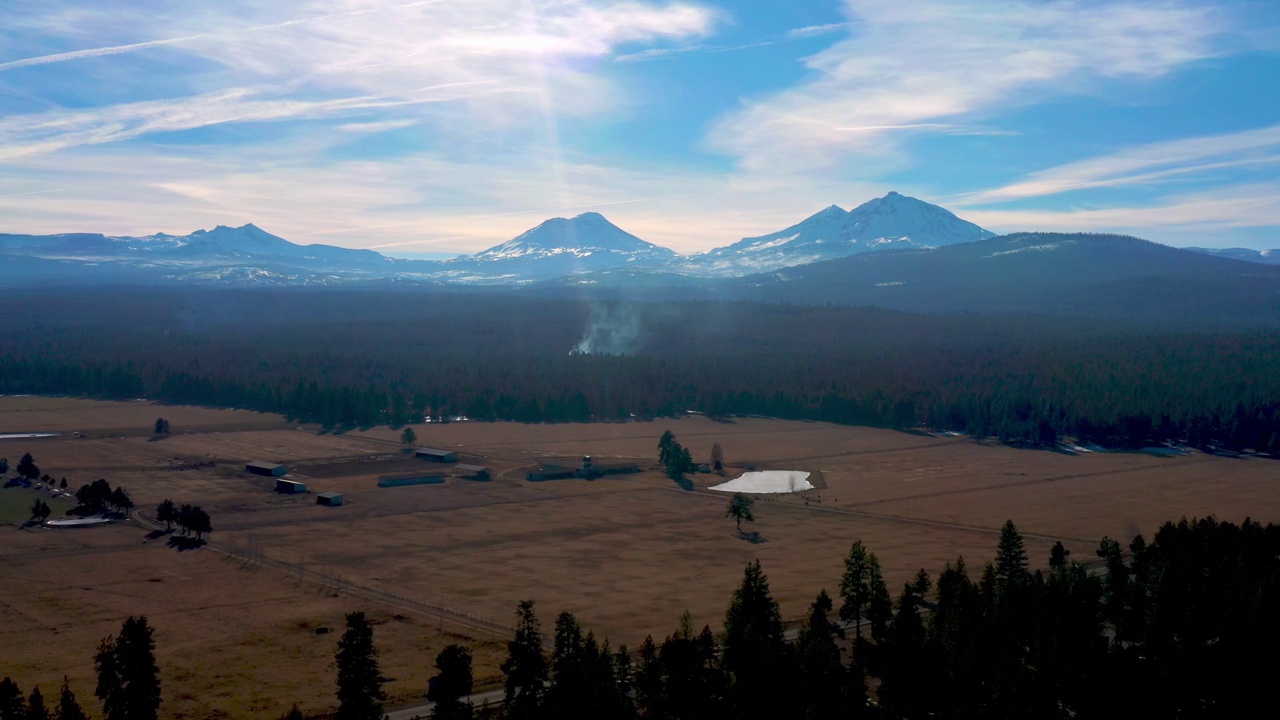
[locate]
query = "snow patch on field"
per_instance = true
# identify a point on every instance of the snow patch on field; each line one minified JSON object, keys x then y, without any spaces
{"x":767,"y":481}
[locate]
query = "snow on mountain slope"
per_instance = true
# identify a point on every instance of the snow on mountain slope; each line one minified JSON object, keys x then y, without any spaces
{"x":1267,"y":257}
{"x":561,"y":246}
{"x":893,"y":221}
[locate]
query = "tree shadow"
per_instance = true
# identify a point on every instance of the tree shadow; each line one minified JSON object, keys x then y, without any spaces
{"x":683,"y":482}
{"x":157,"y":438}
{"x":157,"y":534}
{"x":183,"y":544}
{"x":752,"y":537}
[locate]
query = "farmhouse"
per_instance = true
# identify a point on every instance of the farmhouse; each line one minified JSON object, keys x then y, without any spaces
{"x":270,"y":469}
{"x":330,"y":499}
{"x":437,"y":455}
{"x":290,"y":487}
{"x":387,"y":481}
{"x":471,"y":472}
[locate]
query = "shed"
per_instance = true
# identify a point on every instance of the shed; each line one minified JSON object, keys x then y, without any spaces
{"x":290,"y":487}
{"x":270,"y":469}
{"x":331,"y":499}
{"x":474,"y":472}
{"x":437,"y":455}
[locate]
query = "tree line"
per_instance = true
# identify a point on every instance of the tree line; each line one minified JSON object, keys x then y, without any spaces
{"x":348,"y":359}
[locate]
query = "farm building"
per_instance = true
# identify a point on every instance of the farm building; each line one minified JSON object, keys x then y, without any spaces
{"x":437,"y":455}
{"x":591,"y":469}
{"x":270,"y":469}
{"x":290,"y":487}
{"x":331,"y":499}
{"x":471,"y":472}
{"x":551,"y":472}
{"x":415,"y":479}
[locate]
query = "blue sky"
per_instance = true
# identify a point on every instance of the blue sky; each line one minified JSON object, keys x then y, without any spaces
{"x":447,"y":126}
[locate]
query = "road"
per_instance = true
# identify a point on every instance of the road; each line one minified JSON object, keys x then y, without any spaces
{"x":424,"y":711}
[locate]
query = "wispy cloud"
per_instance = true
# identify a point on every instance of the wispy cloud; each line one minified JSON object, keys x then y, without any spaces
{"x":503,"y":60}
{"x":816,"y":30}
{"x":377,"y":127}
{"x":940,"y":61}
{"x":1144,"y":165}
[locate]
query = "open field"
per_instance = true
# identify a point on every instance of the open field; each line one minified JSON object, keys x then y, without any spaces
{"x":627,"y":554}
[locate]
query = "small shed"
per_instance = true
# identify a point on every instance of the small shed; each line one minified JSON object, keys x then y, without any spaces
{"x":270,"y":469}
{"x":290,"y":487}
{"x":437,"y":455}
{"x":330,"y":499}
{"x":472,"y":472}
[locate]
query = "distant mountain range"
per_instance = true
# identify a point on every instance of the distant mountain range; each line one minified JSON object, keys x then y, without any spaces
{"x":894,"y":251}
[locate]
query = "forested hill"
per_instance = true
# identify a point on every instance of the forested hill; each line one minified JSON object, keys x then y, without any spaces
{"x":1080,"y":275}
{"x":347,"y":358}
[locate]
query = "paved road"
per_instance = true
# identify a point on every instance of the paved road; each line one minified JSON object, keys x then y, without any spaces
{"x":424,"y":710}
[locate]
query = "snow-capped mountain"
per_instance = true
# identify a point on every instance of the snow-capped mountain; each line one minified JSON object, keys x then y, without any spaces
{"x":561,"y":246}
{"x":893,"y":221}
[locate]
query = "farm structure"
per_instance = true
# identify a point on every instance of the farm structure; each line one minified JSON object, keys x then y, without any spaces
{"x":436,"y":455}
{"x":290,"y":487}
{"x":550,"y":472}
{"x":589,"y":470}
{"x":387,"y":481}
{"x":329,"y":499}
{"x":269,"y":469}
{"x":471,"y":472}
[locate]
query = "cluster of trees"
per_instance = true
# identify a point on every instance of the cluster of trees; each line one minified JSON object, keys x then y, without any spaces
{"x":14,"y":706}
{"x":1184,"y":622}
{"x":162,"y":427}
{"x":675,"y":458}
{"x":191,"y":518}
{"x":40,"y":510}
{"x":99,"y":496}
{"x":362,"y":359}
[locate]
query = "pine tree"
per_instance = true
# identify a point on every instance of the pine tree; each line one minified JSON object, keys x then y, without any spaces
{"x":452,"y":684}
{"x":68,"y":707}
{"x":13,"y":706}
{"x":820,"y":672}
{"x":525,"y":668}
{"x":360,"y":694}
{"x":36,"y":708}
{"x":755,"y":656}
{"x":855,"y":587}
{"x":128,"y":679}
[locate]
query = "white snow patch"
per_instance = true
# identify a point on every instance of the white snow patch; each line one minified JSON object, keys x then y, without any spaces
{"x":767,"y":481}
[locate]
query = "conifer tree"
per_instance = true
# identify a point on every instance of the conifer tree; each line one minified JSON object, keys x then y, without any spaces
{"x":360,"y":694}
{"x":755,"y":656}
{"x":68,"y":707}
{"x":128,"y":679}
{"x":525,"y":668}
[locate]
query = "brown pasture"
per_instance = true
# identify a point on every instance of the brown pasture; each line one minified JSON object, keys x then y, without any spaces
{"x":626,"y":554}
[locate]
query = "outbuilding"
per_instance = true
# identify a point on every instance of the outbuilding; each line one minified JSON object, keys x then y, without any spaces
{"x":472,"y":472}
{"x":270,"y":469}
{"x":290,"y":487}
{"x":330,"y":499}
{"x":437,"y":455}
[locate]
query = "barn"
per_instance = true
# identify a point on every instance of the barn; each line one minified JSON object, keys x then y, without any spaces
{"x":436,"y":455}
{"x":330,"y":499}
{"x":290,"y":487}
{"x":269,"y":469}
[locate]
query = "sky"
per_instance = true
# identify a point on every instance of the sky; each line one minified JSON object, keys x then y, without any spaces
{"x":439,"y":127}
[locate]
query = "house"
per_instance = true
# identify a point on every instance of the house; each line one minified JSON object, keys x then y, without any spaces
{"x":269,"y":469}
{"x":329,"y":499}
{"x":290,"y":487}
{"x":436,"y":455}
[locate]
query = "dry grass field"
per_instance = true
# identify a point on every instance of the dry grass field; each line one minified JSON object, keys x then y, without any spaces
{"x":627,"y":554}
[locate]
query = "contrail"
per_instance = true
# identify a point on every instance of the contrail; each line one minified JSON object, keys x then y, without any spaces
{"x":132,"y":47}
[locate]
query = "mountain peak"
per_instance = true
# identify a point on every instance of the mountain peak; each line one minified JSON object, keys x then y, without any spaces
{"x":583,"y":236}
